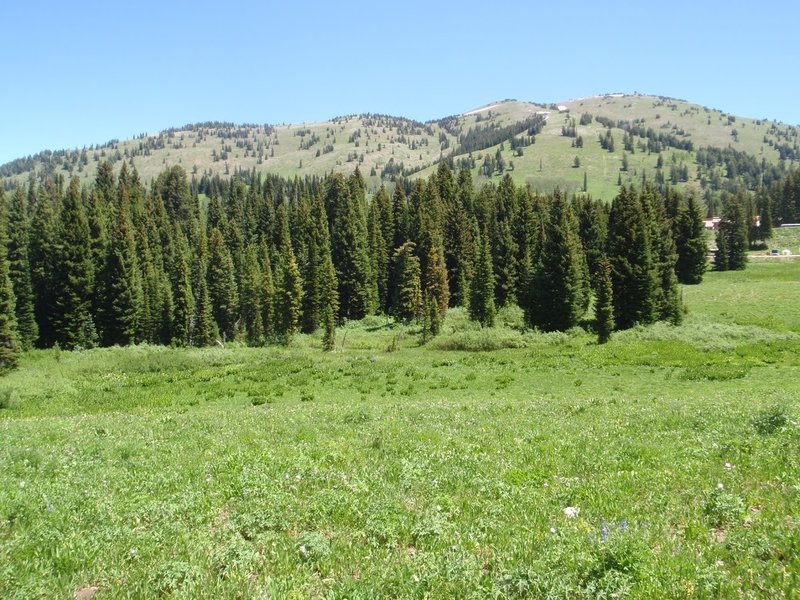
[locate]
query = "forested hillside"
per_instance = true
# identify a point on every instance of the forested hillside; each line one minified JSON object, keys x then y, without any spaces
{"x":591,"y":144}
{"x":260,"y":259}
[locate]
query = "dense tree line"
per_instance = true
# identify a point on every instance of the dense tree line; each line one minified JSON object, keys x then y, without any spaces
{"x":260,"y":259}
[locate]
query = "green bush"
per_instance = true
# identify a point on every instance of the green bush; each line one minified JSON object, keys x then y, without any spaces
{"x":770,"y":419}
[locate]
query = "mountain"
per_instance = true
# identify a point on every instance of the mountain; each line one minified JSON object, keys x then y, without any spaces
{"x":601,"y":140}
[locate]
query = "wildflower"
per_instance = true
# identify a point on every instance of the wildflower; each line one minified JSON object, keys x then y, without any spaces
{"x":552,"y":530}
{"x":728,"y":466}
{"x":605,"y":531}
{"x":720,"y":486}
{"x":571,"y":512}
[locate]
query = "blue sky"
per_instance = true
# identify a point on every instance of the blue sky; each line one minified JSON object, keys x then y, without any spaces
{"x":79,"y":73}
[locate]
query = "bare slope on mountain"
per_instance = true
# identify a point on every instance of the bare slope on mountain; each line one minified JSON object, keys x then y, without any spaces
{"x":535,"y":143}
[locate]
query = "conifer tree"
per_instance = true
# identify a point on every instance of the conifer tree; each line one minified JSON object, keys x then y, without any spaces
{"x":329,"y":337}
{"x":400,"y":216}
{"x":432,"y":318}
{"x":203,"y":333}
{"x":119,"y":287}
{"x":378,"y":248}
{"x":44,"y":267}
{"x":604,"y":309}
{"x":74,"y":276}
{"x":184,"y":301}
{"x":503,"y":244}
{"x":435,"y":280}
{"x":9,"y":339}
{"x":251,"y":287}
{"x":735,"y":226}
{"x":407,"y":305}
{"x":481,"y":300}
{"x":267,"y":292}
{"x":557,"y":282}
{"x":222,"y":285}
{"x":690,"y":243}
{"x":667,"y":301}
{"x":288,"y":295}
{"x":722,"y":254}
{"x":20,"y":268}
{"x":629,"y":253}
{"x":349,"y":249}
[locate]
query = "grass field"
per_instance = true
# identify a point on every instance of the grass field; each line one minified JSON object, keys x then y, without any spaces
{"x":502,"y":463}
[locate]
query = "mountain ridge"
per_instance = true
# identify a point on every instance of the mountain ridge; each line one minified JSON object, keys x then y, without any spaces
{"x":566,"y":149}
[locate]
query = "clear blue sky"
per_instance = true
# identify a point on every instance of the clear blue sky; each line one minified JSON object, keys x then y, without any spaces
{"x":78,"y":73}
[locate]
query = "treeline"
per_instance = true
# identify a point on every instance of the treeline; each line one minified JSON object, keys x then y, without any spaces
{"x":116,"y":263}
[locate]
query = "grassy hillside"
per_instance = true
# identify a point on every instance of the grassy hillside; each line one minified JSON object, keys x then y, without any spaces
{"x":373,"y":141}
{"x":391,"y":469}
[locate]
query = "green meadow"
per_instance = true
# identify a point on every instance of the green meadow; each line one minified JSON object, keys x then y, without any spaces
{"x":497,"y":463}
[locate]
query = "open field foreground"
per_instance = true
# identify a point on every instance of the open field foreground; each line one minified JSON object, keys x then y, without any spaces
{"x":501,"y":464}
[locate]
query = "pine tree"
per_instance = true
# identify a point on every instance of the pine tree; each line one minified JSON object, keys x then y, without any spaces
{"x":557,"y":282}
{"x":459,"y":250}
{"x":732,"y":237}
{"x":378,"y":248}
{"x":435,"y":280}
{"x":251,"y":287}
{"x":667,"y":298}
{"x":44,"y":267}
{"x":203,"y":333}
{"x":503,"y":244}
{"x":400,"y":216}
{"x":184,"y":302}
{"x":20,"y":268}
{"x":288,"y":295}
{"x":119,"y":288}
{"x":629,"y":253}
{"x":481,"y":297}
{"x":407,"y":304}
{"x":329,"y":338}
{"x":349,"y":249}
{"x":690,"y":243}
{"x":267,"y":292}
{"x":74,"y":276}
{"x":9,"y":339}
{"x":222,"y":285}
{"x":432,"y":318}
{"x":738,"y":242}
{"x":722,"y":253}
{"x":604,"y":309}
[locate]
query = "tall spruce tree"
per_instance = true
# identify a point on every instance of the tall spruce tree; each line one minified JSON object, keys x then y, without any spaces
{"x":378,"y":248}
{"x":222,"y":285}
{"x":690,"y":243}
{"x":630,"y":255}
{"x":481,"y":296}
{"x":44,"y":265}
{"x":184,"y":298}
{"x":74,"y":275}
{"x":734,"y":228}
{"x":250,"y":297}
{"x":557,"y":290}
{"x":19,"y":267}
{"x":9,"y":339}
{"x":119,"y":287}
{"x":288,"y":295}
{"x":349,"y":249}
{"x":668,"y":305}
{"x":267,"y":292}
{"x":407,"y":304}
{"x":603,"y":308}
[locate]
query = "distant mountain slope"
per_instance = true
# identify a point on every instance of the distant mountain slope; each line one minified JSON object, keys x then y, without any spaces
{"x":544,"y":145}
